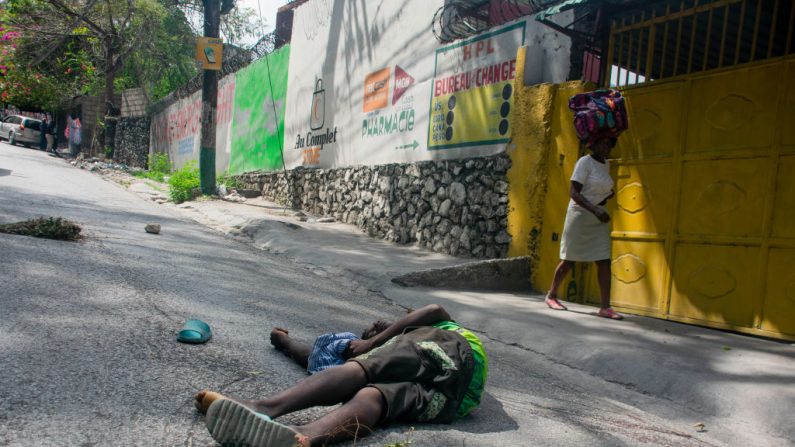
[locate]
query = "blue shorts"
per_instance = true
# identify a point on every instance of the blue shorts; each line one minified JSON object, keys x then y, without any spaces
{"x":329,"y":350}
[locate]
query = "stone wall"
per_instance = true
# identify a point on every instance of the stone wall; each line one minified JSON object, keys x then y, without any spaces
{"x":132,"y":141}
{"x":459,"y":207}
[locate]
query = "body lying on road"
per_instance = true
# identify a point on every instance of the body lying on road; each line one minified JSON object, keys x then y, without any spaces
{"x":423,"y":368}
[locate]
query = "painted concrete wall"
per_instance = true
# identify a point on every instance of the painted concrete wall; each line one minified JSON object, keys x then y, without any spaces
{"x":562,"y":154}
{"x":258,"y":121}
{"x":528,"y":151}
{"x":370,"y":85}
{"x":543,"y":151}
{"x":176,"y":130}
{"x":366,"y":83}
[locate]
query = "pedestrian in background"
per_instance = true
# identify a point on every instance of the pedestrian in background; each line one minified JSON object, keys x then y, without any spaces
{"x":73,"y":134}
{"x":586,"y":231}
{"x":50,"y":134}
{"x":45,"y":124}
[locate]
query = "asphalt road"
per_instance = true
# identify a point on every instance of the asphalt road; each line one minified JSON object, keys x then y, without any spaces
{"x":88,"y":355}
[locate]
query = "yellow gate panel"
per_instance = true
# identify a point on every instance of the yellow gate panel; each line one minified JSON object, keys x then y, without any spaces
{"x":724,"y":197}
{"x":780,"y":297}
{"x":703,"y":222}
{"x":655,"y":117}
{"x":787,"y":112}
{"x":644,"y":200}
{"x":638,"y":271}
{"x":784,"y":202}
{"x":716,"y":284}
{"x":734,"y":109}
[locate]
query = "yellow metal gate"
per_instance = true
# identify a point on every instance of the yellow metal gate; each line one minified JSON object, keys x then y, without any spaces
{"x":704,"y":216}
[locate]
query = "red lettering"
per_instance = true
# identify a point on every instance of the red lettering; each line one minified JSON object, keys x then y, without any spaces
{"x":437,"y":91}
{"x":478,"y":48}
{"x":506,"y":71}
{"x":467,"y":52}
{"x":491,"y":47}
{"x":513,"y":68}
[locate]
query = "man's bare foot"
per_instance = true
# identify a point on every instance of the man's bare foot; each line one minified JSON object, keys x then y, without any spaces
{"x":205,"y":398}
{"x":279,"y":337}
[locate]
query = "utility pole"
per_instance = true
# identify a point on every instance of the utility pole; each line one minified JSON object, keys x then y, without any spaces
{"x":212,"y":24}
{"x":213,"y":10}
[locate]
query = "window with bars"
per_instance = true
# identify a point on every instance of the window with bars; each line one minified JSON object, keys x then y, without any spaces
{"x":680,"y":37}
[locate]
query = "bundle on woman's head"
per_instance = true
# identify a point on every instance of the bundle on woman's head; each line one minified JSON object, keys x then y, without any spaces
{"x":599,"y":114}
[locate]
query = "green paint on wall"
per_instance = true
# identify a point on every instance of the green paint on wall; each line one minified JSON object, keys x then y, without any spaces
{"x":256,"y":132}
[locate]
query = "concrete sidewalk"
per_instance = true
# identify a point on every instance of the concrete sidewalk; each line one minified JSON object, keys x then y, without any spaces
{"x":739,"y":387}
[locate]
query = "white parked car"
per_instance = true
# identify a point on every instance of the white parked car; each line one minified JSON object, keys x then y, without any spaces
{"x":20,"y":129}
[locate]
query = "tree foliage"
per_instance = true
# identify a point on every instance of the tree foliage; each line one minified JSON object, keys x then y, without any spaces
{"x":19,"y":84}
{"x":53,"y":50}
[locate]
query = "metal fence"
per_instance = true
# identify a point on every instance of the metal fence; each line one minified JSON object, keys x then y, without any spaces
{"x":678,"y":37}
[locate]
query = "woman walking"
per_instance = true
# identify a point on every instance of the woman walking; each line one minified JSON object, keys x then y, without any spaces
{"x":586,"y":231}
{"x":73,"y":134}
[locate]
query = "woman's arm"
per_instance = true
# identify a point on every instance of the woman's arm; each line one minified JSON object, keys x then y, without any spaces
{"x":576,"y":194}
{"x":425,"y":316}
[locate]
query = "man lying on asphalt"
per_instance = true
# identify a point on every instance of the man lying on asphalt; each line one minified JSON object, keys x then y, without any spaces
{"x":423,"y":368}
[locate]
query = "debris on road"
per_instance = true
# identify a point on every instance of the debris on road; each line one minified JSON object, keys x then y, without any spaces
{"x":45,"y":227}
{"x":233,"y":196}
{"x":152,"y":228}
{"x":95,"y":164}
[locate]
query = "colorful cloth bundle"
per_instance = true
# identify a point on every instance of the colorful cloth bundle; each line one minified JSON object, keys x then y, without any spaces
{"x":597,"y":114}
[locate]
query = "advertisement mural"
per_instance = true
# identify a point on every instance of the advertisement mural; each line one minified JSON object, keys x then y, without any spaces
{"x":397,"y":95}
{"x":385,"y":119}
{"x":258,"y":124}
{"x":473,"y":90}
{"x":310,"y":143}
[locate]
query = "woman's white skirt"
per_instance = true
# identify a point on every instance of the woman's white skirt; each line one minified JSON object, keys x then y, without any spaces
{"x":585,"y":237}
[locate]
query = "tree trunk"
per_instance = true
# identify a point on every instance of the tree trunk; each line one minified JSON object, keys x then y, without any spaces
{"x":111,"y":111}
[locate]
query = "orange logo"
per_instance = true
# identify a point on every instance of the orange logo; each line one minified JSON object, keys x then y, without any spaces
{"x":376,"y":90}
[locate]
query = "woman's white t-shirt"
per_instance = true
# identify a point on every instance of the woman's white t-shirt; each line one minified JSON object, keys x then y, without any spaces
{"x":594,"y":178}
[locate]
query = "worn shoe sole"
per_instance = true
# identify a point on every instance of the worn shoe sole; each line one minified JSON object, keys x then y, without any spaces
{"x":234,"y":425}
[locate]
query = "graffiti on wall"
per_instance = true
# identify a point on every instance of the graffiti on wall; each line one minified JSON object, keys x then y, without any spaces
{"x":258,"y":123}
{"x":176,"y":130}
{"x":473,"y":90}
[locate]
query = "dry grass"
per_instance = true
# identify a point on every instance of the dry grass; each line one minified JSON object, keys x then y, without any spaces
{"x":45,"y":227}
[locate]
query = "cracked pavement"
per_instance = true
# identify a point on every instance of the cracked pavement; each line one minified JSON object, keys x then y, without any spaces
{"x":88,"y":353}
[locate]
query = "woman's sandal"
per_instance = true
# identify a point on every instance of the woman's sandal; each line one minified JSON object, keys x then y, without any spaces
{"x":608,"y":312}
{"x":554,"y":303}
